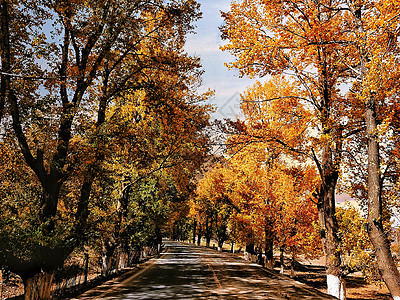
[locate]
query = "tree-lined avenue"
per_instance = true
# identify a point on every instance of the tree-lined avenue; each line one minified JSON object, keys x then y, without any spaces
{"x":186,"y":271}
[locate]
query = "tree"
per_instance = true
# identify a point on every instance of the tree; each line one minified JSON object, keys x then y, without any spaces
{"x":261,"y":201}
{"x":300,"y":40}
{"x":375,"y":28}
{"x":297,"y":221}
{"x":59,"y":98}
{"x":213,"y":202}
{"x":276,"y":197}
{"x":167,"y":142}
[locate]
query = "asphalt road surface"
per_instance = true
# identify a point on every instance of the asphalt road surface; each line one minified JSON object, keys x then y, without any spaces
{"x":191,"y":272}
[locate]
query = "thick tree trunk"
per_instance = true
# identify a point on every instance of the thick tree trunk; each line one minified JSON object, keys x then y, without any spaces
{"x":50,"y":196}
{"x":220,"y":244}
{"x":335,"y":281}
{"x":124,"y":260}
{"x":386,"y":265}
{"x":329,"y":226}
{"x":221,"y":231}
{"x":208,"y":240}
{"x":38,"y":287}
{"x":250,"y":248}
{"x":105,"y":264}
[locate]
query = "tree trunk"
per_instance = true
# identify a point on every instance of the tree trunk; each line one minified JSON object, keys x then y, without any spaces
{"x":220,"y":244}
{"x":281,"y":259}
{"x":159,"y":237}
{"x":221,"y":232}
{"x":194,"y":231}
{"x":105,"y":264}
{"x":250,"y":248}
{"x":329,"y":172}
{"x":292,"y":260}
{"x":38,"y":287}
{"x":331,"y":242}
{"x":198,"y":239}
{"x":269,"y":247}
{"x":107,"y":255}
{"x":269,"y":253}
{"x":208,"y":240}
{"x":208,"y":233}
{"x":117,"y":261}
{"x":124,"y":260}
{"x":386,"y":265}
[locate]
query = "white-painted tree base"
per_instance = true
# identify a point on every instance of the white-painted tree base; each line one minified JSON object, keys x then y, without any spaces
{"x":396,"y":298}
{"x":336,"y":287}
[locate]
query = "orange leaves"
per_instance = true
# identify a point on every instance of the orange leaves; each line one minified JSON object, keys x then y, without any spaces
{"x":268,"y":37}
{"x":277,"y":108}
{"x":261,"y":197}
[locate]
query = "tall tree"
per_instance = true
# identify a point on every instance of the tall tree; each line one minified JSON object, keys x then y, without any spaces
{"x":375,"y":30}
{"x":322,"y":44}
{"x":300,"y":40}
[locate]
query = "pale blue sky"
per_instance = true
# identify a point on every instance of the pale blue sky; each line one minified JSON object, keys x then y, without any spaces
{"x":205,"y":44}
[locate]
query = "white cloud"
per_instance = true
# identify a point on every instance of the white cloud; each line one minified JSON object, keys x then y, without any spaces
{"x":201,"y":45}
{"x":205,"y":44}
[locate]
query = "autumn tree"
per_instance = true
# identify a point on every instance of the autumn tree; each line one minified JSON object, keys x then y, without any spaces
{"x":374,"y":31}
{"x":260,"y":200}
{"x":300,"y":40}
{"x":275,"y":197}
{"x":58,"y":84}
{"x":213,"y":203}
{"x":297,"y":221}
{"x":341,"y":41}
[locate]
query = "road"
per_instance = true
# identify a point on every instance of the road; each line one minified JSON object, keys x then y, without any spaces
{"x":191,"y":272}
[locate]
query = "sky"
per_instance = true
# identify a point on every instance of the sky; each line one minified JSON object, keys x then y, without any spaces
{"x":205,"y":44}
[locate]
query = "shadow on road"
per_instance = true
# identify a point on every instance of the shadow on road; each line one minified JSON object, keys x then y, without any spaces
{"x":192,"y":272}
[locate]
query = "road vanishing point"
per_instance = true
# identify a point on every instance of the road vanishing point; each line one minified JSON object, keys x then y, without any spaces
{"x":186,"y":271}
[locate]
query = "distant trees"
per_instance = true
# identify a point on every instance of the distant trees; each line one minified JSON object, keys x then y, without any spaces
{"x":260,"y":202}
